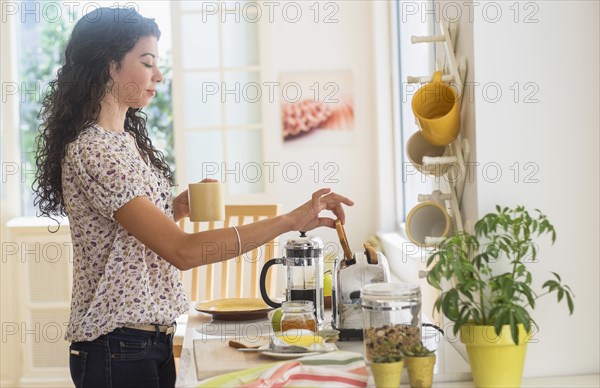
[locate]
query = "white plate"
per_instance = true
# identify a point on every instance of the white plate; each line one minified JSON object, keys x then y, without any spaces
{"x":329,"y":347}
{"x":285,"y":356}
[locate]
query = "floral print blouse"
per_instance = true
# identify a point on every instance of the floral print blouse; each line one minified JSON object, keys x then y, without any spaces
{"x":117,"y":281}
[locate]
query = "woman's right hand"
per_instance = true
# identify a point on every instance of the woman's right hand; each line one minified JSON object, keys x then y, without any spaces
{"x":306,"y":217}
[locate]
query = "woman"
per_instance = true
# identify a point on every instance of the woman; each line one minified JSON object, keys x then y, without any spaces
{"x":97,"y":165}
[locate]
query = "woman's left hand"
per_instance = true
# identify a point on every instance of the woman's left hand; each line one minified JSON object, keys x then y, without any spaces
{"x":181,"y":205}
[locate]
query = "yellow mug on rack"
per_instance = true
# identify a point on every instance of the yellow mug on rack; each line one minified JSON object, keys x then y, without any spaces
{"x":418,"y":148}
{"x":436,"y":107}
{"x":427,"y":219}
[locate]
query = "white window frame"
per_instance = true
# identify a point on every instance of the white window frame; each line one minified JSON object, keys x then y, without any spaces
{"x":179,"y":127}
{"x":417,"y":183}
{"x":9,"y":114}
{"x":394,"y":114}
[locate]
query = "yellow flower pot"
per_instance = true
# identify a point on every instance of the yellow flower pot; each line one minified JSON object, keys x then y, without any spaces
{"x":387,"y":374}
{"x":420,"y":371}
{"x":495,"y":360}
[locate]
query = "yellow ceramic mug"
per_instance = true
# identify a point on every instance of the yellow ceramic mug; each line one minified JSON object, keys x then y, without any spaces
{"x":436,"y":107}
{"x":427,"y":219}
{"x":417,"y":148}
{"x":206,"y":201}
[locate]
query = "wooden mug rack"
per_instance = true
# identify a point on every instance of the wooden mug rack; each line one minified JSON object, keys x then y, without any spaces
{"x":454,"y":70}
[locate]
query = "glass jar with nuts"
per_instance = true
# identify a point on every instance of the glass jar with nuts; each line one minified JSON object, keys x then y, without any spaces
{"x":392,"y":318}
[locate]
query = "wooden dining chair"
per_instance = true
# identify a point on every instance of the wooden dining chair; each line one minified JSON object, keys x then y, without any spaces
{"x":234,"y":278}
{"x":237,"y":277}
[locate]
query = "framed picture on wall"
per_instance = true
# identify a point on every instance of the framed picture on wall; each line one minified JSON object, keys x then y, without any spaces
{"x":313,"y":103}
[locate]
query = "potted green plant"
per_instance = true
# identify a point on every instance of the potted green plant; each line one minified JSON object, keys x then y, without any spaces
{"x":419,"y":363}
{"x":387,"y":370}
{"x":491,"y":298}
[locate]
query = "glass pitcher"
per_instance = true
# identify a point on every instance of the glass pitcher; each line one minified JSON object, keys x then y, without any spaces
{"x":303,"y":260}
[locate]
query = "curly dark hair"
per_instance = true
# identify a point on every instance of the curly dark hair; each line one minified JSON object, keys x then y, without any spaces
{"x":73,"y":101}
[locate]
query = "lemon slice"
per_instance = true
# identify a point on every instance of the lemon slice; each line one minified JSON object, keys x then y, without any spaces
{"x":304,"y":340}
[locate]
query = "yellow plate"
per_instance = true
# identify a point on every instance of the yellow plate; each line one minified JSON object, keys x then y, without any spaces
{"x":235,"y":309}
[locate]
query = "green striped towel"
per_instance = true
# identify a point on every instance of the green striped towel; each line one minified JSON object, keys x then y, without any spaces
{"x":335,"y":369}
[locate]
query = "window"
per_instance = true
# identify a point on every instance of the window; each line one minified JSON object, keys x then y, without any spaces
{"x":409,"y":60}
{"x":218,"y":127}
{"x":42,"y":30}
{"x":218,"y":115}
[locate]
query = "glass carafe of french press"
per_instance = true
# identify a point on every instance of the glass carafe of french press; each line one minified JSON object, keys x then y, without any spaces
{"x":303,"y":260}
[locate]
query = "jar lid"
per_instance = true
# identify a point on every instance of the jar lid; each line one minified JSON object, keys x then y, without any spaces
{"x":387,"y":294}
{"x":297,"y":306}
{"x":304,"y":246}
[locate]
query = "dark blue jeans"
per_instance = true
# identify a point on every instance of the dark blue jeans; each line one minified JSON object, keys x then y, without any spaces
{"x":124,"y":358}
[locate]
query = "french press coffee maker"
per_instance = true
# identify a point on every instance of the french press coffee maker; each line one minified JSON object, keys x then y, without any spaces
{"x":303,"y":259}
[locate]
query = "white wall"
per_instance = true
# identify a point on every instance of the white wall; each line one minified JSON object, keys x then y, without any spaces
{"x":558,"y":134}
{"x":306,"y":46}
